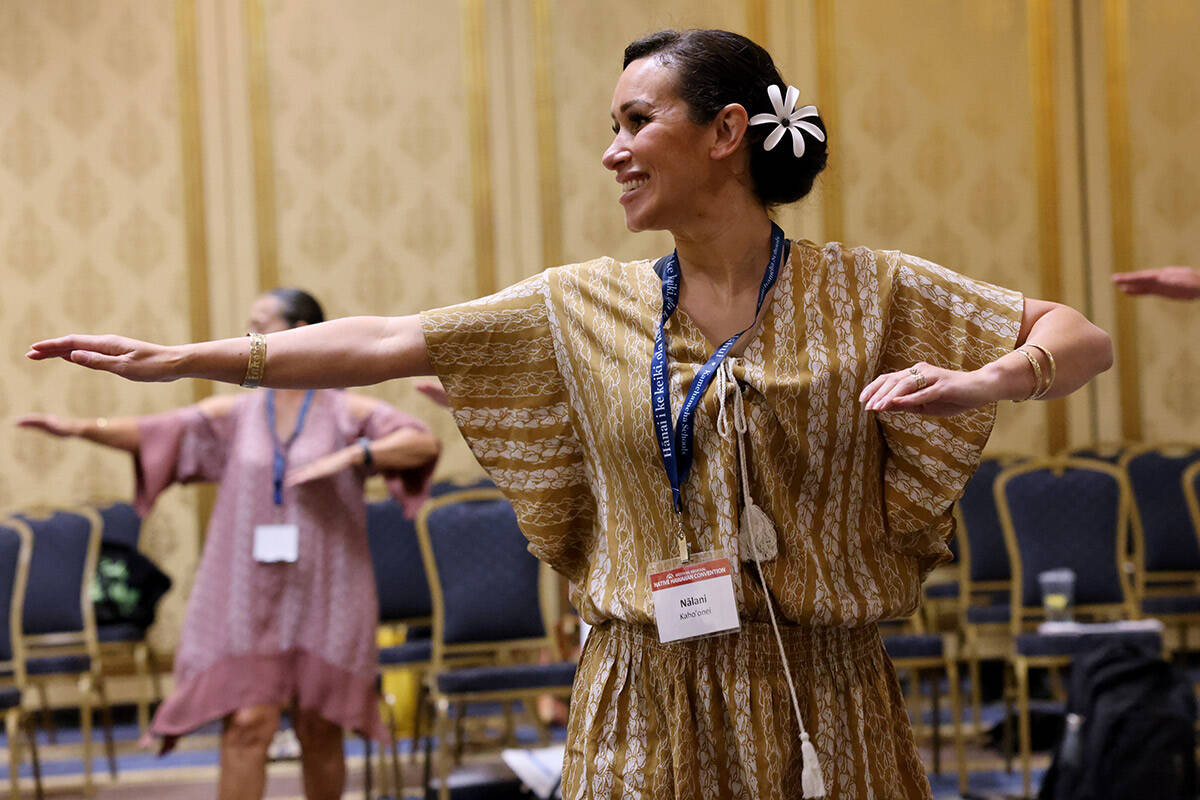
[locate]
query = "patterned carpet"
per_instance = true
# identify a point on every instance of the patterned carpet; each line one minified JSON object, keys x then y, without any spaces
{"x":189,"y":773}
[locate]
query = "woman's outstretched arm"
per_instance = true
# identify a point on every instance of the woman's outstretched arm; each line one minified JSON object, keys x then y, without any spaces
{"x":354,"y":351}
{"x":120,"y":433}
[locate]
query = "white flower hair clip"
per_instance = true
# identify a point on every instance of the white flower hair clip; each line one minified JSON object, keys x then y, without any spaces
{"x":788,"y":118}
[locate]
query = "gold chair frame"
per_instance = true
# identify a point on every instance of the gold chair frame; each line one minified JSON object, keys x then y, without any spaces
{"x":145,"y":663}
{"x":447,"y":657}
{"x":1161,"y":583}
{"x":980,"y":639}
{"x":19,"y":719}
{"x":1025,"y":618}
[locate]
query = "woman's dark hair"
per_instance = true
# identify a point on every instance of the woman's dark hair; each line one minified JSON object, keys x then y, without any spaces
{"x":297,"y":305}
{"x":716,"y":68}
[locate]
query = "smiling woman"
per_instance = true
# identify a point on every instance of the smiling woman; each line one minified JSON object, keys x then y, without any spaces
{"x":832,"y":403}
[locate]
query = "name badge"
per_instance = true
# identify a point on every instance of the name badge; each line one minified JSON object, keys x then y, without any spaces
{"x":276,"y":543}
{"x":693,"y":599}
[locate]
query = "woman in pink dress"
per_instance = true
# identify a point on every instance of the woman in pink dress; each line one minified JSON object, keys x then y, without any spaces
{"x":283,"y":611}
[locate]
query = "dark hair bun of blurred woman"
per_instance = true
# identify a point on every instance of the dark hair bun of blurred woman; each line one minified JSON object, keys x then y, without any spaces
{"x":716,"y":68}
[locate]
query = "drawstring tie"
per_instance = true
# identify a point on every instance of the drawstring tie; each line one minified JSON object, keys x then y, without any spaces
{"x":757,"y":535}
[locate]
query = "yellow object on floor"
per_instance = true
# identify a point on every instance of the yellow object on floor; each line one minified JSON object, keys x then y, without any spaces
{"x":401,"y":688}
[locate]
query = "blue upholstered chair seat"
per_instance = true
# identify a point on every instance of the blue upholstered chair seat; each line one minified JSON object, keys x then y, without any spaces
{"x":1036,"y":644}
{"x":939,"y":591}
{"x":10,"y":697}
{"x":515,"y":676}
{"x":913,"y":646}
{"x":66,"y":665}
{"x":1172,"y":604}
{"x":982,"y":615}
{"x":120,"y":632}
{"x":412,"y":652}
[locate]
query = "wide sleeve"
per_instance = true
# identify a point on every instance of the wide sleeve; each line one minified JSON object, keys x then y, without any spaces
{"x":948,"y":320}
{"x":497,"y":360}
{"x":181,"y":446}
{"x":410,"y":486}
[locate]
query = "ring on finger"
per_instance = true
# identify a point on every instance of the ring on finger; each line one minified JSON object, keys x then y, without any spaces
{"x":920,"y":378}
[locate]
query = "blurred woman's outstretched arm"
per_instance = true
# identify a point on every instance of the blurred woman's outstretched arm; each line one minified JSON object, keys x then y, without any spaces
{"x":354,"y":351}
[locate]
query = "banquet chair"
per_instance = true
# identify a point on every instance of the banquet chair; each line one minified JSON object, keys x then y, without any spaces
{"x":121,"y":525}
{"x":1166,"y":547}
{"x":16,"y":547}
{"x":490,"y":606}
{"x":404,"y":603}
{"x":58,"y":625}
{"x":1111,"y":452}
{"x":1064,"y":513}
{"x":985,"y":575}
{"x":931,"y":656}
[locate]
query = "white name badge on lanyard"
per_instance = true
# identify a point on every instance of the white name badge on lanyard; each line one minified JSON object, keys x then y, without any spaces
{"x":694,"y":599}
{"x":276,"y":543}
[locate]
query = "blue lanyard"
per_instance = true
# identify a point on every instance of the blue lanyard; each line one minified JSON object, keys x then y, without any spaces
{"x":281,"y":449}
{"x":675,"y":444}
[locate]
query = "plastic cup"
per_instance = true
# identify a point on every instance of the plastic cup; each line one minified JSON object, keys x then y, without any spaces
{"x":1058,"y":594}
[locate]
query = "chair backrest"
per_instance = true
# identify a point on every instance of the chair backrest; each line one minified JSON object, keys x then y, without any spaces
{"x":120,"y":523}
{"x":66,"y":545}
{"x":1100,"y":451}
{"x":1168,"y":547}
{"x":981,"y":540}
{"x":1067,"y":513}
{"x":486,"y":586}
{"x":16,"y":545}
{"x":446,"y":487}
{"x":399,"y":569}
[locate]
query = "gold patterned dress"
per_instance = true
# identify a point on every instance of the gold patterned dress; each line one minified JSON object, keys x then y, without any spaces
{"x":549,"y":382}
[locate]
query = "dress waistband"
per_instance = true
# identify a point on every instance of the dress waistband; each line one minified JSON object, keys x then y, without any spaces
{"x":754,"y":644}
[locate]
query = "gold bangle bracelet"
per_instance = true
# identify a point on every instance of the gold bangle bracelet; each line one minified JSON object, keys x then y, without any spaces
{"x":258,"y":361}
{"x":1053,"y":368}
{"x":1037,"y":375}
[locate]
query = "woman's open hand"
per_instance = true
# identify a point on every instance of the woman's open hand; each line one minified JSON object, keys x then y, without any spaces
{"x":129,"y":358}
{"x":926,"y":389}
{"x":49,"y":423}
{"x":1176,"y":283}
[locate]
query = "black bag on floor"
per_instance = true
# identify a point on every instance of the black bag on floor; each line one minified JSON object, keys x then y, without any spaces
{"x":127,"y":586}
{"x":1130,"y":731}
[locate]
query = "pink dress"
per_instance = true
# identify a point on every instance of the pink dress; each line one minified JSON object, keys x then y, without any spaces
{"x":273,"y":633}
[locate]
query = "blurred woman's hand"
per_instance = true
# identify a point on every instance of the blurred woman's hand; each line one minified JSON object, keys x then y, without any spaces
{"x":435,"y":392}
{"x":323,"y":467}
{"x":1176,"y":283}
{"x":49,"y":423}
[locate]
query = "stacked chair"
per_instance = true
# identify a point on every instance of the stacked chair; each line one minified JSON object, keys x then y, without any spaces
{"x":404,"y":601}
{"x":16,"y":548}
{"x":1166,"y":549}
{"x":58,"y":635}
{"x":1064,"y":513}
{"x":121,"y":525}
{"x":985,"y":575}
{"x":931,"y":657}
{"x":491,"y":610}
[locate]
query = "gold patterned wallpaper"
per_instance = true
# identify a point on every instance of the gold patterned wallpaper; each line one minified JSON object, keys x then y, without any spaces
{"x":1164,"y":125}
{"x":92,"y":237}
{"x":370,"y":164}
{"x":369,"y":175}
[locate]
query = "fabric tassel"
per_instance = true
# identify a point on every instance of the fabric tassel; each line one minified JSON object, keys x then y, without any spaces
{"x":756,"y":534}
{"x":812,"y":782}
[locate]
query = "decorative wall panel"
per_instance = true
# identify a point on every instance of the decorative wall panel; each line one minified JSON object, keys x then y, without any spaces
{"x":1164,"y":126}
{"x":92,"y":238}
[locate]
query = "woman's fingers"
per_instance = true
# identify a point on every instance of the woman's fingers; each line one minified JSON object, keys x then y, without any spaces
{"x":914,"y":385}
{"x":435,"y":392}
